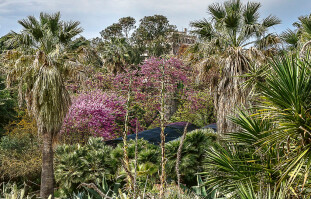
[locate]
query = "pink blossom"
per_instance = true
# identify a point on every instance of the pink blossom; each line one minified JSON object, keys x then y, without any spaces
{"x":96,"y":113}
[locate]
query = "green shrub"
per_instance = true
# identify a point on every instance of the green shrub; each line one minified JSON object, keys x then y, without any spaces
{"x":8,"y":103}
{"x":198,"y":109}
{"x":20,"y":153}
{"x":94,"y":161}
{"x":8,"y":143}
{"x":146,"y":152}
{"x":148,"y":162}
{"x":75,"y":164}
{"x":192,"y":155}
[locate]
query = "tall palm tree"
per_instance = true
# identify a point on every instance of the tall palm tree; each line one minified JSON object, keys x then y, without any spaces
{"x":40,"y":65}
{"x":228,"y":42}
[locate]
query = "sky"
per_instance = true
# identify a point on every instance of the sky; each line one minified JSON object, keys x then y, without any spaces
{"x":95,"y":15}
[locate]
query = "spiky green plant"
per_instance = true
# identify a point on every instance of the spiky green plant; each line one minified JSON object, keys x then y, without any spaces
{"x":286,"y":100}
{"x":272,"y":146}
{"x":192,"y":155}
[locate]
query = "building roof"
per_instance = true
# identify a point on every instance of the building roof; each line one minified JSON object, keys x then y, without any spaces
{"x":172,"y":132}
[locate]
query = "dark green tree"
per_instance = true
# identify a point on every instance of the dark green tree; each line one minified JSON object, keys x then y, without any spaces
{"x":114,"y":30}
{"x":7,"y":105}
{"x":127,"y":24}
{"x":153,"y":33}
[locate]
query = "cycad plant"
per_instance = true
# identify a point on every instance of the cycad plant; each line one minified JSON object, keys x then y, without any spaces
{"x":40,"y":65}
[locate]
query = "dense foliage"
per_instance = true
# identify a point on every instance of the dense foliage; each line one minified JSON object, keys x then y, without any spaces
{"x":232,"y":70}
{"x":271,"y":150}
{"x":7,"y":106}
{"x":20,"y":155}
{"x":192,"y":155}
{"x":95,"y":160}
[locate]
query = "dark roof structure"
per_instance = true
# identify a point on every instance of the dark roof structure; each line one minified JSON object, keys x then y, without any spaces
{"x":172,"y":132}
{"x":211,"y":126}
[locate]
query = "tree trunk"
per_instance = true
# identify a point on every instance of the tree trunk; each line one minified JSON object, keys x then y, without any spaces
{"x":47,"y":175}
{"x":229,"y":94}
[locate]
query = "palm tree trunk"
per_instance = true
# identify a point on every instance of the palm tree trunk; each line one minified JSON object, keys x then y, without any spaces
{"x":47,"y":175}
{"x":229,"y":94}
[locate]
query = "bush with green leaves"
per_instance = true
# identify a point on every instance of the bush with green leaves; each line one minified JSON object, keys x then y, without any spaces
{"x":192,"y":155}
{"x":147,"y":152}
{"x":90,"y":163}
{"x":8,"y":103}
{"x":148,"y":162}
{"x":20,"y":152}
{"x":76,"y":164}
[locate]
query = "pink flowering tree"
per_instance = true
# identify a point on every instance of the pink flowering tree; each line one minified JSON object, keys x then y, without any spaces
{"x":146,"y":84}
{"x":96,"y":113}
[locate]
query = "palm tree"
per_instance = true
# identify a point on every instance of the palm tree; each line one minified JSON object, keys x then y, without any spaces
{"x":40,"y":65}
{"x":301,"y":37}
{"x":238,"y":158}
{"x":228,"y":42}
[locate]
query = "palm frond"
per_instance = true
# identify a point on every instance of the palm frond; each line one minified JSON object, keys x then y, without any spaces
{"x":252,"y":128}
{"x":291,"y":38}
{"x":270,"y":21}
{"x":306,"y":25}
{"x":202,"y":28}
{"x":217,"y":11}
{"x":250,"y":13}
